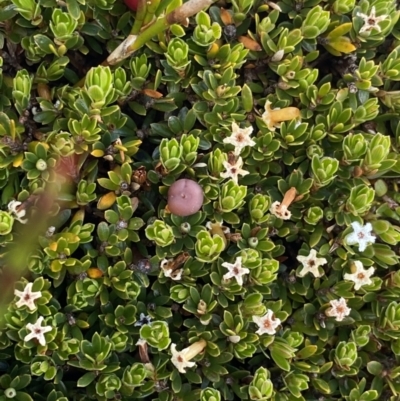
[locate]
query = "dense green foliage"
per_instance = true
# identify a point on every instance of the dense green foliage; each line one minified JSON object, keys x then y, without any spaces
{"x":284,"y":286}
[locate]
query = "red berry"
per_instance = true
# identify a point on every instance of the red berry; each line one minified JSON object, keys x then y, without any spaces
{"x":132,"y":4}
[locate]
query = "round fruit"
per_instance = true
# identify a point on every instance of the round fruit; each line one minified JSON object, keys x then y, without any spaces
{"x":132,"y":4}
{"x":185,"y":197}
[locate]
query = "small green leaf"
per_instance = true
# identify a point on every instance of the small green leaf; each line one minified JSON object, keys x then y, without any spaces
{"x":86,"y":379}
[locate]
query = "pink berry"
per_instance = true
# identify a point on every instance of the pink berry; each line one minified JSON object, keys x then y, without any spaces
{"x":185,"y":197}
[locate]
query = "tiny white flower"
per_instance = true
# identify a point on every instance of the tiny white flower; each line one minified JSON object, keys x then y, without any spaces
{"x":235,"y":270}
{"x":361,"y":236}
{"x":37,"y":331}
{"x":18,"y":214}
{"x":143,"y":319}
{"x":210,"y":226}
{"x":50,"y":231}
{"x":311,"y":264}
{"x":141,"y":342}
{"x":27,"y":297}
{"x":360,"y":276}
{"x":175,"y":275}
{"x":164,"y":263}
{"x":240,"y":138}
{"x":181,"y":359}
{"x":371,"y":21}
{"x":280,"y":211}
{"x":234,"y":170}
{"x":267,"y":117}
{"x":338,"y":309}
{"x":267,"y":324}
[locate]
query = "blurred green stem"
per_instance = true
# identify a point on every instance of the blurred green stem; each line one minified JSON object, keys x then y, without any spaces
{"x":139,"y":17}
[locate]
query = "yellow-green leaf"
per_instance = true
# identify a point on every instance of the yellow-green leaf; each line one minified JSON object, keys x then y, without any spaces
{"x":79,"y":216}
{"x":340,"y":30}
{"x":106,"y":201}
{"x":307,"y":351}
{"x":340,"y":45}
{"x":94,"y":272}
{"x":18,"y":160}
{"x":97,"y":153}
{"x":331,"y":50}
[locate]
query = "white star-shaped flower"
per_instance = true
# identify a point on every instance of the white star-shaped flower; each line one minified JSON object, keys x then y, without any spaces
{"x":361,"y":236}
{"x":37,"y":331}
{"x":235,"y":270}
{"x":234,"y":170}
{"x":181,"y":359}
{"x":267,"y":324}
{"x":240,"y":138}
{"x":311,"y":264}
{"x":280,"y":211}
{"x":27,"y":297}
{"x":17,"y":214}
{"x":338,"y":309}
{"x":360,"y":276}
{"x":371,"y":21}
